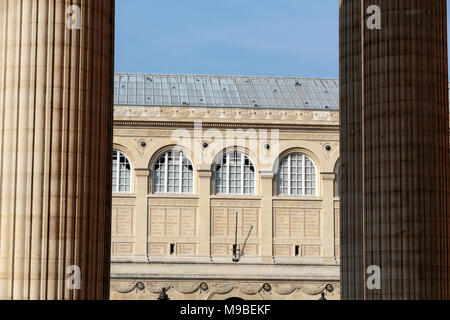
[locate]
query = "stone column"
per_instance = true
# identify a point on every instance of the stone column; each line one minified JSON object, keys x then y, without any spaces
{"x":55,"y":147}
{"x":394,"y":149}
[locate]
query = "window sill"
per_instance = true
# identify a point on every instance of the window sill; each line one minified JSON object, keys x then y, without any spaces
{"x":314,"y":198}
{"x":173,"y":195}
{"x":124,"y":195}
{"x":236,"y":196}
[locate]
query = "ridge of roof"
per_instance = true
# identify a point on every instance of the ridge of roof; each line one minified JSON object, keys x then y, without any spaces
{"x":220,"y":76}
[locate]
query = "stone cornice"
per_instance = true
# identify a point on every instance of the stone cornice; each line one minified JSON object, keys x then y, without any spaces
{"x":150,"y":124}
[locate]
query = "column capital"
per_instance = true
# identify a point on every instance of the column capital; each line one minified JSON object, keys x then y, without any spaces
{"x":142,"y":172}
{"x":204,"y":173}
{"x":328,"y":175}
{"x":267,"y":174}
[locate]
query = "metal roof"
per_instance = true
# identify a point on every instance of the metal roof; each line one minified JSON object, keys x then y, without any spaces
{"x":226,"y":91}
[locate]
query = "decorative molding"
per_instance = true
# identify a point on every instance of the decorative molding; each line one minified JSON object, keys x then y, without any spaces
{"x":224,"y":125}
{"x":313,"y":290}
{"x":267,"y":174}
{"x":123,"y":288}
{"x":205,"y":173}
{"x":152,"y":113}
{"x":222,"y":288}
{"x":226,"y":287}
{"x":284,"y":289}
{"x":142,"y":172}
{"x":156,"y":287}
{"x":328,"y":176}
{"x":251,"y":288}
{"x":187,"y":287}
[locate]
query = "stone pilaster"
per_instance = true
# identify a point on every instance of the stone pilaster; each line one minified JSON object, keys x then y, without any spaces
{"x":55,"y":147}
{"x":394,"y":148}
{"x":267,"y":216}
{"x":142,"y":228}
{"x":204,"y":213}
{"x":328,"y":215}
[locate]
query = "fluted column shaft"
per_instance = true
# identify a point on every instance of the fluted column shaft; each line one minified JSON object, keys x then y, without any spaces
{"x":55,"y":148}
{"x":394,"y":143}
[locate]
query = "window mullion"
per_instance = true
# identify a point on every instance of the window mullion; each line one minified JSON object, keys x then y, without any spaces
{"x":304,"y":175}
{"x":131,"y":176}
{"x":118,"y":171}
{"x":242,"y":173}
{"x":115,"y":176}
{"x":289,"y":176}
{"x":180,"y":190}
{"x":166,"y":174}
{"x":228,"y":173}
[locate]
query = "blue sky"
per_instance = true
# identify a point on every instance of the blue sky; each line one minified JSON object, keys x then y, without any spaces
{"x":228,"y":37}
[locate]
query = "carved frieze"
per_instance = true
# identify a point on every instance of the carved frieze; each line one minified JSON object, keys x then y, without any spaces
{"x":251,"y":288}
{"x":156,"y":287}
{"x":187,"y":287}
{"x":123,"y":287}
{"x":284,"y":289}
{"x":198,"y":287}
{"x":222,"y":288}
{"x":152,"y":113}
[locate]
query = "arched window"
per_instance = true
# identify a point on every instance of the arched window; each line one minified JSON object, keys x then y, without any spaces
{"x":337,"y":183}
{"x":173,"y":173}
{"x":235,"y":174}
{"x":297,"y":176}
{"x":121,"y":172}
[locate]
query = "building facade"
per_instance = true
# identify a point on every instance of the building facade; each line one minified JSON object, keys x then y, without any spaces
{"x":225,"y":187}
